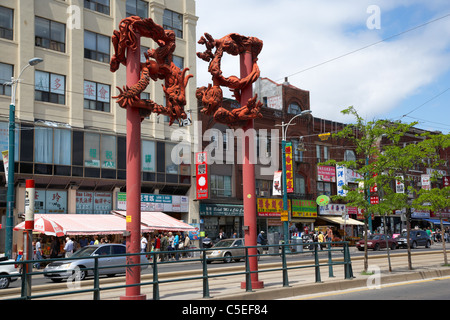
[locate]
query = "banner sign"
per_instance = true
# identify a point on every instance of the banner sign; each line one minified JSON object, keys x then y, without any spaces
{"x":270,"y":207}
{"x":326,"y":173}
{"x":156,"y":202}
{"x":304,"y":208}
{"x":333,"y":209}
{"x":426,"y":182}
{"x":201,"y":169}
{"x":276,"y":191}
{"x":289,"y":168}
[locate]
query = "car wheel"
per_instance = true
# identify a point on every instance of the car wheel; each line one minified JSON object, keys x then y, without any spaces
{"x":393,"y":246}
{"x":361,"y":249}
{"x":227,"y":257}
{"x":414,"y":245}
{"x":82,"y":274}
{"x":377,"y":247}
{"x":428,"y":244}
{"x":4,"y":282}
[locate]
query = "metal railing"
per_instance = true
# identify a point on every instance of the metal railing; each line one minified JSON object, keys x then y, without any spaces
{"x":195,"y":255}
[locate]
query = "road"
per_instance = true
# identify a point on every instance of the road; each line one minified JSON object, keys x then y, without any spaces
{"x":428,"y":289}
{"x":188,"y":266}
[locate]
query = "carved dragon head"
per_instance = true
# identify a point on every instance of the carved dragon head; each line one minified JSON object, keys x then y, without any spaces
{"x":175,"y":90}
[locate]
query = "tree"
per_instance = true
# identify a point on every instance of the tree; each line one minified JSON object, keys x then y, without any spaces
{"x":366,"y":138}
{"x":435,"y":200}
{"x":395,"y":163}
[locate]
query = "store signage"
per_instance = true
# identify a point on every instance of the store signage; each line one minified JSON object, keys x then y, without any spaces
{"x":270,"y":207}
{"x":374,"y":200}
{"x":426,"y":182}
{"x":88,"y":202}
{"x":399,"y":185}
{"x":50,"y":201}
{"x":212,"y":209}
{"x":289,"y":168}
{"x":333,"y":209}
{"x":326,"y":173}
{"x":341,"y":180}
{"x":323,"y":200}
{"x":284,"y":215}
{"x":156,"y":202}
{"x":276,"y":191}
{"x":304,"y":208}
{"x":201,"y":170}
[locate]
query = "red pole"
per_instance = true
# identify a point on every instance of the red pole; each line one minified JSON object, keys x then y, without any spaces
{"x":133,"y":181}
{"x":248,"y":178}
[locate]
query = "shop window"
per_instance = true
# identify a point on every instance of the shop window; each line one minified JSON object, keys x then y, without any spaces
{"x":148,"y":156}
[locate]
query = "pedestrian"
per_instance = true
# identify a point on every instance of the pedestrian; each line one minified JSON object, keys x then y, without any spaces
{"x":260,"y":239}
{"x":54,"y":247}
{"x":68,"y":248}
{"x":83,"y":242}
{"x":170,"y":247}
{"x":329,"y":234}
{"x":96,"y":240}
{"x":164,"y":246}
{"x":38,"y":249}
{"x":157,"y":246}
{"x":176,"y":242}
{"x":321,"y":239}
{"x":144,"y":243}
{"x":187,"y":245}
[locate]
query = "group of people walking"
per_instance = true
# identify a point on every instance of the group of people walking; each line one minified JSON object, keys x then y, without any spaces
{"x":166,"y":242}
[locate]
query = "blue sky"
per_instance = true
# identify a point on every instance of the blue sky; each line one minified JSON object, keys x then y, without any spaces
{"x":390,"y":59}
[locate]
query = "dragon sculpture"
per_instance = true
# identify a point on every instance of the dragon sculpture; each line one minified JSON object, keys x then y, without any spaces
{"x":211,"y":96}
{"x":158,"y":65}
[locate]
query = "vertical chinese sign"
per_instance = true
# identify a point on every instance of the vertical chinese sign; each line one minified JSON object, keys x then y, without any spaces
{"x":289,"y":168}
{"x":201,"y":169}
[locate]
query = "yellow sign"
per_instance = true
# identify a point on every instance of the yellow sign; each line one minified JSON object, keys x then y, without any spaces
{"x":284,"y":215}
{"x":128,"y":218}
{"x":324,"y":136}
{"x":270,"y":207}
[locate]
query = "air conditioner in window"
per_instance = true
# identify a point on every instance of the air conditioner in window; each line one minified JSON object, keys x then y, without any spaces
{"x":263,"y":193}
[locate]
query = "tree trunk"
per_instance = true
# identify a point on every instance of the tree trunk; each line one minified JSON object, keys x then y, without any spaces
{"x":443,"y":242}
{"x":387,"y":243}
{"x":366,"y":255}
{"x":408,"y":235}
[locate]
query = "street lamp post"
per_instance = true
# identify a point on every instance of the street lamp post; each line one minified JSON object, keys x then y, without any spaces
{"x":284,"y":128}
{"x":11,"y":152}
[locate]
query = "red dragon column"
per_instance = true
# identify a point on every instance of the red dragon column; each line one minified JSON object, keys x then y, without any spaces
{"x":248,"y":49}
{"x":158,"y":65}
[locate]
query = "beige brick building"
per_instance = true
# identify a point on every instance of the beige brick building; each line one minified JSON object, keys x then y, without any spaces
{"x":70,"y":133}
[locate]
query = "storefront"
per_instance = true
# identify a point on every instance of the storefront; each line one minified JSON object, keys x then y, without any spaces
{"x":216,"y":218}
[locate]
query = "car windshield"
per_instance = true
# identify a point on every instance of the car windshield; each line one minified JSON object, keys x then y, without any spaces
{"x":223,"y":244}
{"x":85,"y":252}
{"x":374,"y":237}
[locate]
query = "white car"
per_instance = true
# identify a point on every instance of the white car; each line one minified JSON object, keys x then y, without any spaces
{"x":7,"y":269}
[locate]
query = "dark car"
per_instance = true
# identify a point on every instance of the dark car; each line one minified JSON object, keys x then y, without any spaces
{"x":227,"y":250}
{"x":377,"y":242}
{"x":417,"y":238}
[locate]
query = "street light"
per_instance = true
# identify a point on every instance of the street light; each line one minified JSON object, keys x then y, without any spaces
{"x":283,"y":147}
{"x":11,"y":151}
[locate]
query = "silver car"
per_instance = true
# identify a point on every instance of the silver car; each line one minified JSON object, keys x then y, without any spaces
{"x":81,"y":268}
{"x":227,"y":250}
{"x":8,"y":269}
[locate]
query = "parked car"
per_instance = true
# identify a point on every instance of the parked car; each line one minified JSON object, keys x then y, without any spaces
{"x":417,"y":238}
{"x":227,"y":250}
{"x":60,"y":270}
{"x":7,"y":269}
{"x":377,"y":242}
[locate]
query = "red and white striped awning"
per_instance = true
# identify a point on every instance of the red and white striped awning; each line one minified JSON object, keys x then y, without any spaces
{"x":159,"y":221}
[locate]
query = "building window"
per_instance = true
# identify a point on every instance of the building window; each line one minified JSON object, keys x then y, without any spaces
{"x":148,"y":156}
{"x":50,"y":34}
{"x":101,"y":6}
{"x":96,"y":96}
{"x":49,"y":87}
{"x":137,"y":8}
{"x":300,"y":185}
{"x":6,"y":23}
{"x":92,"y":150}
{"x":171,"y":167}
{"x":178,"y":61}
{"x":263,"y":188}
{"x":52,"y":146}
{"x":349,"y":155}
{"x":173,"y":21}
{"x":324,"y":188}
{"x":96,"y":46}
{"x":318,"y":153}
{"x":294,"y":108}
{"x":6,"y":72}
{"x":220,"y":186}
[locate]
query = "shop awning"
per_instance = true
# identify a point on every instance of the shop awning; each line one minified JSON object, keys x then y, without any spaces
{"x":339,"y":220}
{"x":88,"y":224}
{"x":438,"y":222}
{"x":155,"y":221}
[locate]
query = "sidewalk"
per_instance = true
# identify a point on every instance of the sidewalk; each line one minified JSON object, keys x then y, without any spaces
{"x":301,"y":281}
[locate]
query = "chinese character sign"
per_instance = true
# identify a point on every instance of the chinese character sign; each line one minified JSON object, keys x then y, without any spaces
{"x":201,"y":168}
{"x":289,"y":168}
{"x":341,"y":180}
{"x":270,"y":207}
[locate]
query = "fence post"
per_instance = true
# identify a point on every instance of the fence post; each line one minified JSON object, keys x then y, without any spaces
{"x":330,"y":261}
{"x":205,"y":276}
{"x":348,"y":264}
{"x":248,"y":276}
{"x":96,"y":280}
{"x":316,"y":261}
{"x":284,"y":265}
{"x":24,"y":289}
{"x":155,"y":277}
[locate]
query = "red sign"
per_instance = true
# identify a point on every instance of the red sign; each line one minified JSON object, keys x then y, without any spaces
{"x":201,"y":169}
{"x":446,"y":180}
{"x":289,"y":168}
{"x":374,"y":200}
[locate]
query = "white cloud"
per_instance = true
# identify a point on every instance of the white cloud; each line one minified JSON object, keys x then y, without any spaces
{"x":300,"y":34}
